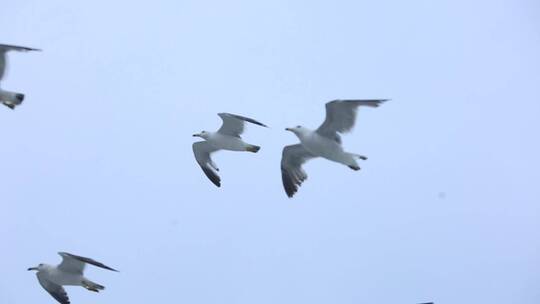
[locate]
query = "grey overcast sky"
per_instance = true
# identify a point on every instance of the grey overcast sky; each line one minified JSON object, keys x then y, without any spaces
{"x":98,"y":160}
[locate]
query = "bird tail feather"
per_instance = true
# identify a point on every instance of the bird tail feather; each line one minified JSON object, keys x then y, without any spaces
{"x":253,"y":148}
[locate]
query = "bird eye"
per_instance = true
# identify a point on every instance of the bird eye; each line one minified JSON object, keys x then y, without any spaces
{"x":298,"y":126}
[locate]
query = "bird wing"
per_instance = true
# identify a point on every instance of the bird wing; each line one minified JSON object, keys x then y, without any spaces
{"x":2,"y":63}
{"x":292,"y":174}
{"x":341,"y":115}
{"x":202,"y":151}
{"x":233,"y":125}
{"x":75,"y":264}
{"x":8,"y":47}
{"x":56,"y":291}
{"x":4,"y":48}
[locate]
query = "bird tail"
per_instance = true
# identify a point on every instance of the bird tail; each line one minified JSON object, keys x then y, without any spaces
{"x":351,"y":161}
{"x":11,"y":99}
{"x":253,"y":148}
{"x":95,"y":287}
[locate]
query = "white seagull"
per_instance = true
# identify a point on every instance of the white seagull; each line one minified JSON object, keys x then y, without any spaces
{"x":69,"y":272}
{"x":10,"y":99}
{"x":324,"y":142}
{"x":226,"y":138}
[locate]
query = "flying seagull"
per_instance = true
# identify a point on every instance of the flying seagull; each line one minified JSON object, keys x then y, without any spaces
{"x":69,"y":272}
{"x":10,"y":99}
{"x":324,"y":142}
{"x":226,"y":138}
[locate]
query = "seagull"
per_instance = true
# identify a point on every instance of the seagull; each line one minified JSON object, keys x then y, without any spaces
{"x":324,"y":142}
{"x":226,"y":138}
{"x":69,"y":272}
{"x":10,"y":99}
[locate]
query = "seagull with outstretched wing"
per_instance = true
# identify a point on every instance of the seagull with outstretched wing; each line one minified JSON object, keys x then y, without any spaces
{"x":226,"y":138}
{"x":10,"y":99}
{"x":68,"y":273}
{"x":324,"y":142}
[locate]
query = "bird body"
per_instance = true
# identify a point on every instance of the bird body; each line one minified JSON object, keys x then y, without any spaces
{"x":220,"y":141}
{"x":226,"y":138}
{"x":68,"y":273}
{"x":324,"y":142}
{"x":52,"y":274}
{"x":321,"y":146}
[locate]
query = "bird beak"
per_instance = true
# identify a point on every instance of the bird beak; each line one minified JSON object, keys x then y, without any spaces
{"x":197,"y":135}
{"x":32,"y":268}
{"x":288,"y":129}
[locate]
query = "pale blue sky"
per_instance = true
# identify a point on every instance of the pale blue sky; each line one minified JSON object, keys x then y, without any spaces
{"x":98,"y":161}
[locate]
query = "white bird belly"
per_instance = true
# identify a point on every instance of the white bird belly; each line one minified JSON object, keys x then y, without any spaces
{"x":225,"y":142}
{"x":323,"y":147}
{"x":63,"y":278}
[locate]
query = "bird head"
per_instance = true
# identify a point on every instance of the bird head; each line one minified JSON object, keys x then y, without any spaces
{"x":203,"y":134}
{"x":298,"y":130}
{"x":38,"y":268}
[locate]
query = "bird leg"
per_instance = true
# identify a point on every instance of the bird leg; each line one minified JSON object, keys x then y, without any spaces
{"x":92,"y":286}
{"x":362,"y":157}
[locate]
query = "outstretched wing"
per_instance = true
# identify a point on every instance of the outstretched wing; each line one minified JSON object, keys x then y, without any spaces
{"x":2,"y":63}
{"x":56,"y":291}
{"x":233,"y":125}
{"x":75,"y":264}
{"x":341,"y":116}
{"x":292,"y":174}
{"x":8,"y":47}
{"x":4,"y":48}
{"x":202,"y":151}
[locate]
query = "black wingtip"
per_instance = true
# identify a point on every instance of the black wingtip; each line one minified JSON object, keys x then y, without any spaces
{"x":212,"y":176}
{"x":244,"y":118}
{"x":288,"y":184}
{"x":376,"y":102}
{"x":87,"y":260}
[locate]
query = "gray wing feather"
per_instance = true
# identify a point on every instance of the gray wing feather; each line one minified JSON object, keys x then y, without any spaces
{"x":292,"y":174}
{"x":234,"y":124}
{"x":75,"y":264}
{"x":341,"y":116}
{"x":4,"y":48}
{"x":202,"y":151}
{"x":8,"y":47}
{"x":2,"y":63}
{"x":56,"y":291}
